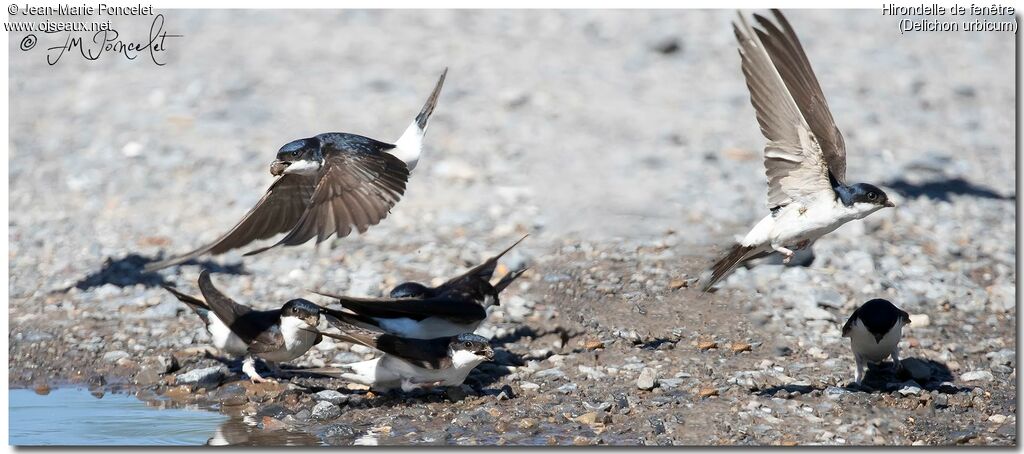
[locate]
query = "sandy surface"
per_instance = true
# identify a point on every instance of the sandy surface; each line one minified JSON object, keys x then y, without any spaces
{"x":632,"y":165}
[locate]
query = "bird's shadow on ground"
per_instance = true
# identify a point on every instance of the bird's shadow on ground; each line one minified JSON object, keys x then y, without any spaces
{"x":943,"y":189}
{"x":130,"y":270}
{"x":884,"y":378}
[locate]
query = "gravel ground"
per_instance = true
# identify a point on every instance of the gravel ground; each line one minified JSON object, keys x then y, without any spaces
{"x":622,"y":141}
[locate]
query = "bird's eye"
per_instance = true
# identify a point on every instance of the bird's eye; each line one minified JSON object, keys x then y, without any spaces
{"x":872,"y":196}
{"x":295,"y":153}
{"x":467,"y":344}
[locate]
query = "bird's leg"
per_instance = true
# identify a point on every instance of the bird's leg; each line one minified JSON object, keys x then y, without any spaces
{"x":858,"y":370}
{"x":786,"y":252}
{"x":896,"y":364}
{"x":249,"y":369}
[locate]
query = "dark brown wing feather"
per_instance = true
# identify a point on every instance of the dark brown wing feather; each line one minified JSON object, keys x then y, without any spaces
{"x":358,"y":189}
{"x":792,"y":64}
{"x":277,"y":212}
{"x":482,"y":272}
{"x":460,"y":310}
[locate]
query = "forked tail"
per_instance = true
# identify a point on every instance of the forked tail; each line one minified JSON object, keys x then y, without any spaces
{"x":723,"y":266}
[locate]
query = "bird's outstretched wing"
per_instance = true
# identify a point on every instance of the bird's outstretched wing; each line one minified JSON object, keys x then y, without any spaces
{"x":482,"y":272}
{"x":358,"y":188}
{"x":793,"y":158}
{"x":795,"y":69}
{"x":277,"y":212}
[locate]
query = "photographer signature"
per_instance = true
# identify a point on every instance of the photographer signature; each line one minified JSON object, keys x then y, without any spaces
{"x":106,"y":41}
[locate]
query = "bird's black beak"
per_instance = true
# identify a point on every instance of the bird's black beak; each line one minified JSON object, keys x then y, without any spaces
{"x":277,"y":167}
{"x":486,"y":353}
{"x":889,"y":204}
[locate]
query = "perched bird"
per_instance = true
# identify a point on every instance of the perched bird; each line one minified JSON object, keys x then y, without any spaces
{"x":327,"y":185}
{"x":416,"y":311}
{"x":805,"y":157}
{"x":413,"y":363}
{"x":275,"y":336}
{"x":223,"y":338}
{"x":875,"y":330}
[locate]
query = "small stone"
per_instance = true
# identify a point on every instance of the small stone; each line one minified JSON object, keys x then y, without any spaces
{"x":648,"y":379}
{"x":115,"y":356}
{"x":593,"y":344}
{"x":272,"y":424}
{"x":707,"y":392}
{"x":529,"y":386}
{"x":788,"y":443}
{"x":325,"y":410}
{"x":677,"y":284}
{"x":977,"y":375}
{"x":909,"y":390}
{"x":42,"y":389}
{"x":331,"y":396}
{"x":919,"y":320}
{"x":998,"y":419}
{"x":707,"y":345}
{"x":567,"y":388}
{"x":587,"y":418}
{"x":202,"y":377}
{"x":739,"y":347}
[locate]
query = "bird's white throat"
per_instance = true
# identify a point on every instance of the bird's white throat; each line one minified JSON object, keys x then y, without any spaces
{"x":304,"y":167}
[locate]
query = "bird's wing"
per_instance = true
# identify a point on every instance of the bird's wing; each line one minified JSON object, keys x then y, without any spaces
{"x":242,"y":320}
{"x":849,"y":322}
{"x":795,"y":69}
{"x":269,"y":340}
{"x":793,"y":159}
{"x":277,"y":212}
{"x":429,"y":353}
{"x":414,"y":308}
{"x":481,"y":272}
{"x":358,"y":188}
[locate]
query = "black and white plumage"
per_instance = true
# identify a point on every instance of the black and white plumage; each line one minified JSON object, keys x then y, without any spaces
{"x":411,"y":364}
{"x":416,"y":311}
{"x":805,"y":157}
{"x":223,"y":338}
{"x":875,"y":330}
{"x":275,"y":336}
{"x":327,"y":185}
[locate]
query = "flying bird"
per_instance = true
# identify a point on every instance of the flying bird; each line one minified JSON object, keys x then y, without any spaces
{"x":275,"y":336}
{"x":412,"y":364}
{"x":805,"y":157}
{"x":327,"y":185}
{"x":416,"y":311}
{"x":875,"y":330}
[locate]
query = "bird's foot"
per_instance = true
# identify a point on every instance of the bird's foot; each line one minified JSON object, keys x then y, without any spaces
{"x":788,"y":257}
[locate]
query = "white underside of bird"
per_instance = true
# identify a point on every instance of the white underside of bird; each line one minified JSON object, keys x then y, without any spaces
{"x":797,"y":224}
{"x":225,"y":340}
{"x":867,"y":349}
{"x":390,"y":372}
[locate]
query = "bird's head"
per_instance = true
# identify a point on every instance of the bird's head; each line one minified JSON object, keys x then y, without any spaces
{"x":469,"y":349}
{"x":303,"y":156}
{"x":302,"y":310}
{"x":409,"y":290}
{"x":868,"y":198}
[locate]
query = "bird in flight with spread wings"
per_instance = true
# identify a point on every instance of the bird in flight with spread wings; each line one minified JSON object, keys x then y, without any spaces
{"x":805,"y":157}
{"x":327,"y":185}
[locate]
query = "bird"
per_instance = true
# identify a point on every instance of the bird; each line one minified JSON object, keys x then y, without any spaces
{"x":410,"y":364}
{"x":223,"y":338}
{"x":326,"y":185}
{"x":416,"y":311}
{"x":875,"y":329}
{"x":805,"y":157}
{"x":274,"y":336}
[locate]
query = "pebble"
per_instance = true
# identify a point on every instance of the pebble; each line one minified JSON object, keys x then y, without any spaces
{"x":707,"y":392}
{"x":202,"y":377}
{"x":648,"y":379}
{"x":997,"y":418}
{"x":114,"y":356}
{"x":325,"y":410}
{"x":977,"y":375}
{"x":920,"y":320}
{"x":739,"y":347}
{"x":707,"y":345}
{"x":332,"y":396}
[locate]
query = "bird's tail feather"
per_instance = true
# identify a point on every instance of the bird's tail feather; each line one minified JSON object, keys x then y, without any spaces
{"x":723,"y":266}
{"x":197,"y":305}
{"x":507,"y":279}
{"x":410,"y":145}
